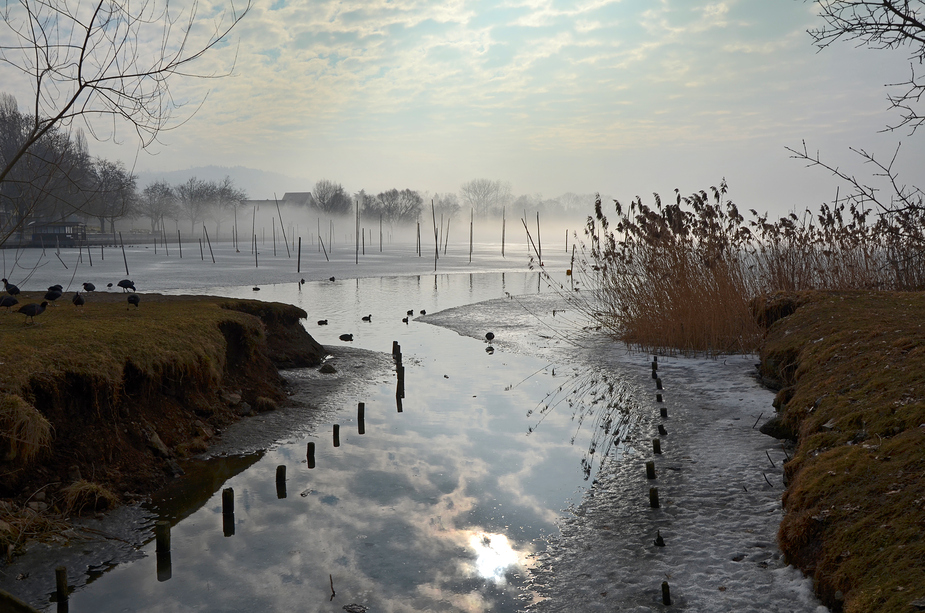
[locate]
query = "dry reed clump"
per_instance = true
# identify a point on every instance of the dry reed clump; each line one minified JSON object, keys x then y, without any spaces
{"x":23,"y":429}
{"x":84,"y":495}
{"x":682,"y":276}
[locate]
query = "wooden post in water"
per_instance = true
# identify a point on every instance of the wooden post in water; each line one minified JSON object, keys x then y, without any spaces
{"x":471,"y":219}
{"x":664,"y":412}
{"x":124,"y":259}
{"x":656,"y":446}
{"x":272,"y":234}
{"x":298,"y":261}
{"x":310,"y":454}
{"x":666,"y":594}
{"x":228,"y":500}
{"x":255,"y":251}
{"x":211,"y":253}
{"x":179,"y":244}
{"x":282,"y":227}
{"x":162,"y":536}
{"x":361,"y":418}
{"x":650,"y":469}
{"x":653,"y":497}
{"x":433,"y":212}
{"x":61,"y":584}
{"x":162,"y":550}
{"x":337,"y":435}
{"x":280,"y":482}
{"x":503,"y":222}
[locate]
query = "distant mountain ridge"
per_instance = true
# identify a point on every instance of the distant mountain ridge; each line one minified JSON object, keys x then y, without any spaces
{"x":259,"y":184}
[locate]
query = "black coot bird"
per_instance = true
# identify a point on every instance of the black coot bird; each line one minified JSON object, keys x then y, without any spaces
{"x":411,"y":312}
{"x":490,"y":336}
{"x":31,"y":310}
{"x":8,"y":302}
{"x":404,"y":320}
{"x":133,"y":299}
{"x":322,"y":322}
{"x":89,"y":287}
{"x":423,"y":312}
{"x":11,"y":289}
{"x":346,"y":337}
{"x":331,"y":279}
{"x":78,"y":300}
{"x":368,"y":317}
{"x":56,"y":288}
{"x":126,"y":284}
{"x":52,"y":294}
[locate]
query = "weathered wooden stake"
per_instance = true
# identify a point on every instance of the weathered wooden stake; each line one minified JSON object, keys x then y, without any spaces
{"x":337,"y":435}
{"x":662,"y":431}
{"x":664,"y":412}
{"x":666,"y":594}
{"x":650,"y":469}
{"x":228,"y":524}
{"x":396,"y":350}
{"x":280,"y":482}
{"x":656,"y":445}
{"x":653,"y":497}
{"x":227,"y":500}
{"x":398,"y":402}
{"x":298,"y":262}
{"x":361,"y":418}
{"x":61,"y":583}
{"x":310,"y":455}
{"x":658,"y":383}
{"x":658,"y":398}
{"x":162,"y":536}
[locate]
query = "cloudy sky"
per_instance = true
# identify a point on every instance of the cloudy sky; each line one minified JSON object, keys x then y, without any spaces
{"x":622,"y":97}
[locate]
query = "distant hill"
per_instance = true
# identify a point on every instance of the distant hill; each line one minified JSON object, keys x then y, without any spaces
{"x":259,"y":184}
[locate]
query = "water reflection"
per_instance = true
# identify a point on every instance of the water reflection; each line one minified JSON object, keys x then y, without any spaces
{"x":432,"y":509}
{"x":494,"y":556}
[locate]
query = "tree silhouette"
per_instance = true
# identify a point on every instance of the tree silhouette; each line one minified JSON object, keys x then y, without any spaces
{"x":104,"y":60}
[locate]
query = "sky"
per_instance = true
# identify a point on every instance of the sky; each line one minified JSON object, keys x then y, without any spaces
{"x":621,"y":97}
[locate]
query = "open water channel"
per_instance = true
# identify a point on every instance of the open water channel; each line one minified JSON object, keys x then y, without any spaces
{"x":435,"y":503}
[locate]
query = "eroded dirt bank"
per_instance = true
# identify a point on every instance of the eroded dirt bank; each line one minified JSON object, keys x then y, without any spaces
{"x":97,"y":408}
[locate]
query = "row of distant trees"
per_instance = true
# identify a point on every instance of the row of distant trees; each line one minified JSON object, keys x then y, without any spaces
{"x":486,"y":198}
{"x":58,"y":178}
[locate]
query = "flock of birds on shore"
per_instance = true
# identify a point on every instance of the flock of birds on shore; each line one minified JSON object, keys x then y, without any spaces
{"x":33,"y":310}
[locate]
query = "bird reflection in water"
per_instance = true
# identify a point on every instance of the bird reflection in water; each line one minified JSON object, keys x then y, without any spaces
{"x":493,"y":556}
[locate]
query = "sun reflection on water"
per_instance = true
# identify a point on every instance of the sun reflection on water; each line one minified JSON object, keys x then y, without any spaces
{"x":494,"y":556}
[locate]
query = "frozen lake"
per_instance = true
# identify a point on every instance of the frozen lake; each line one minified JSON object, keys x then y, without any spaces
{"x":454,"y":502}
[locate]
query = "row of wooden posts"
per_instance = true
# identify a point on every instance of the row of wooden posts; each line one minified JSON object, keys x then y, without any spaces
{"x":537,"y":247}
{"x":650,"y":467}
{"x":162,"y":527}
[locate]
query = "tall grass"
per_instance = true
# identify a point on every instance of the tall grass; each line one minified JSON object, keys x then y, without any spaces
{"x":683,"y":276}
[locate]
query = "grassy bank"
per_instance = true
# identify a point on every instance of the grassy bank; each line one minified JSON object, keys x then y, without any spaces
{"x":851,"y":368}
{"x":98,"y":404}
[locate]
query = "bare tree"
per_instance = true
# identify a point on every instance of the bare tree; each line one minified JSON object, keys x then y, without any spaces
{"x":402,"y":206}
{"x":881,"y":24}
{"x":112,"y":195}
{"x":330,"y":197}
{"x":194,"y":197}
{"x":103,"y":60}
{"x":485,"y":196}
{"x":157,"y":201}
